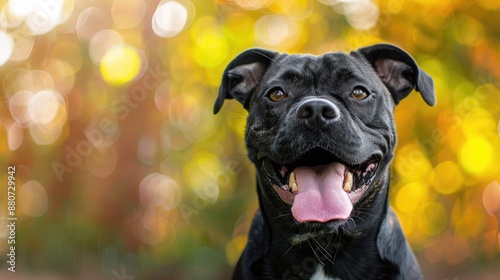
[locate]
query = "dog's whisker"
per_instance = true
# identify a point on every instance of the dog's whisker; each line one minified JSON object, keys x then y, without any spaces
{"x":266,"y":56}
{"x":282,"y":216}
{"x":330,"y":240}
{"x":323,"y":250}
{"x":238,"y":118}
{"x":314,"y":251}
{"x":337,"y":248}
{"x":360,"y":211}
{"x":287,"y":251}
{"x":245,"y":114}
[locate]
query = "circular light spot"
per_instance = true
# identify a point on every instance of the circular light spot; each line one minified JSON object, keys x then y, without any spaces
{"x":411,"y":163}
{"x":212,"y":47}
{"x":477,"y":155}
{"x":101,"y":42}
{"x":275,"y":30}
{"x":159,"y":190}
{"x":147,"y":150}
{"x":328,"y":2}
{"x":42,"y":20}
{"x":23,"y":45}
{"x":467,"y":30}
{"x":151,"y":230}
{"x":104,"y":129}
{"x":460,"y":250}
{"x":43,"y":135}
{"x":169,"y":19}
{"x":489,"y":5}
{"x":447,"y":177}
{"x":183,"y":111}
{"x":234,"y":248}
{"x":101,"y":162}
{"x":33,"y":200}
{"x":297,"y":10}
{"x":43,"y":107}
{"x":411,"y":197}
{"x":129,"y":15}
{"x":7,"y":47}
{"x":22,"y":8}
{"x":470,"y":221}
{"x":162,"y":97}
{"x":90,"y":21}
{"x":63,"y":75}
{"x":361,"y":14}
{"x":498,"y":129}
{"x":70,"y":53}
{"x":434,"y":219}
{"x":15,"y":136}
{"x":120,"y":65}
{"x":251,"y":4}
{"x":18,"y":105}
{"x":491,"y":198}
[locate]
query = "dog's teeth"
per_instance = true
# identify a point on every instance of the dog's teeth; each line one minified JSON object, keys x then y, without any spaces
{"x":347,"y":182}
{"x":292,"y":183}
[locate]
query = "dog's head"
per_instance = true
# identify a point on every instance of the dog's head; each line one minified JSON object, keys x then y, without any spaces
{"x":320,"y":129}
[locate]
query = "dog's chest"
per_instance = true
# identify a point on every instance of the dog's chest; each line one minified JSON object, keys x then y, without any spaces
{"x":320,"y":274}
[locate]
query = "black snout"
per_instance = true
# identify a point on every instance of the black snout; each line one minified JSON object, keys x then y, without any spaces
{"x":317,"y":112}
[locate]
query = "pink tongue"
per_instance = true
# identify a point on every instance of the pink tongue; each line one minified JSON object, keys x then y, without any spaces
{"x":321,"y":197}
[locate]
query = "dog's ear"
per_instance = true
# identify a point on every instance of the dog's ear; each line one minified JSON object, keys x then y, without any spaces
{"x":242,"y":75}
{"x":399,"y":72}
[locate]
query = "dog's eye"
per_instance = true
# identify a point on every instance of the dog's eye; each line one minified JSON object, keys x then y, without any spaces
{"x":358,"y":94}
{"x":276,"y":95}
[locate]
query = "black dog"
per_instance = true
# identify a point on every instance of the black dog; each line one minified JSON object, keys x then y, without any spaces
{"x":321,"y":134}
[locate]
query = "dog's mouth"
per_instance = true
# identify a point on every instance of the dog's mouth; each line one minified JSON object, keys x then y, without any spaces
{"x":319,"y":186}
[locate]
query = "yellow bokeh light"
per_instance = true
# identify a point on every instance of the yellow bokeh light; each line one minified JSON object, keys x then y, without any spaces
{"x":411,"y":163}
{"x":69,"y":53}
{"x":447,"y":177}
{"x":296,"y":9}
{"x":489,"y":5}
{"x":234,"y":248}
{"x":411,"y":197}
{"x":469,"y":222}
{"x":433,"y":220}
{"x":120,"y":65}
{"x":477,"y":155}
{"x":467,"y":30}
{"x":211,"y":47}
{"x":251,"y":4}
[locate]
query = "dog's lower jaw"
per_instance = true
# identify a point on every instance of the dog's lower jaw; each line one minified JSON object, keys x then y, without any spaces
{"x":292,"y":245}
{"x":279,"y":213}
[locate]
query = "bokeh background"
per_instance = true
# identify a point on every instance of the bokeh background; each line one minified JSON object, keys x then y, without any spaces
{"x":123,"y":172}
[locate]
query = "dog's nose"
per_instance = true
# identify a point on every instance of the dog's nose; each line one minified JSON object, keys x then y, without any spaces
{"x":317,"y":112}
